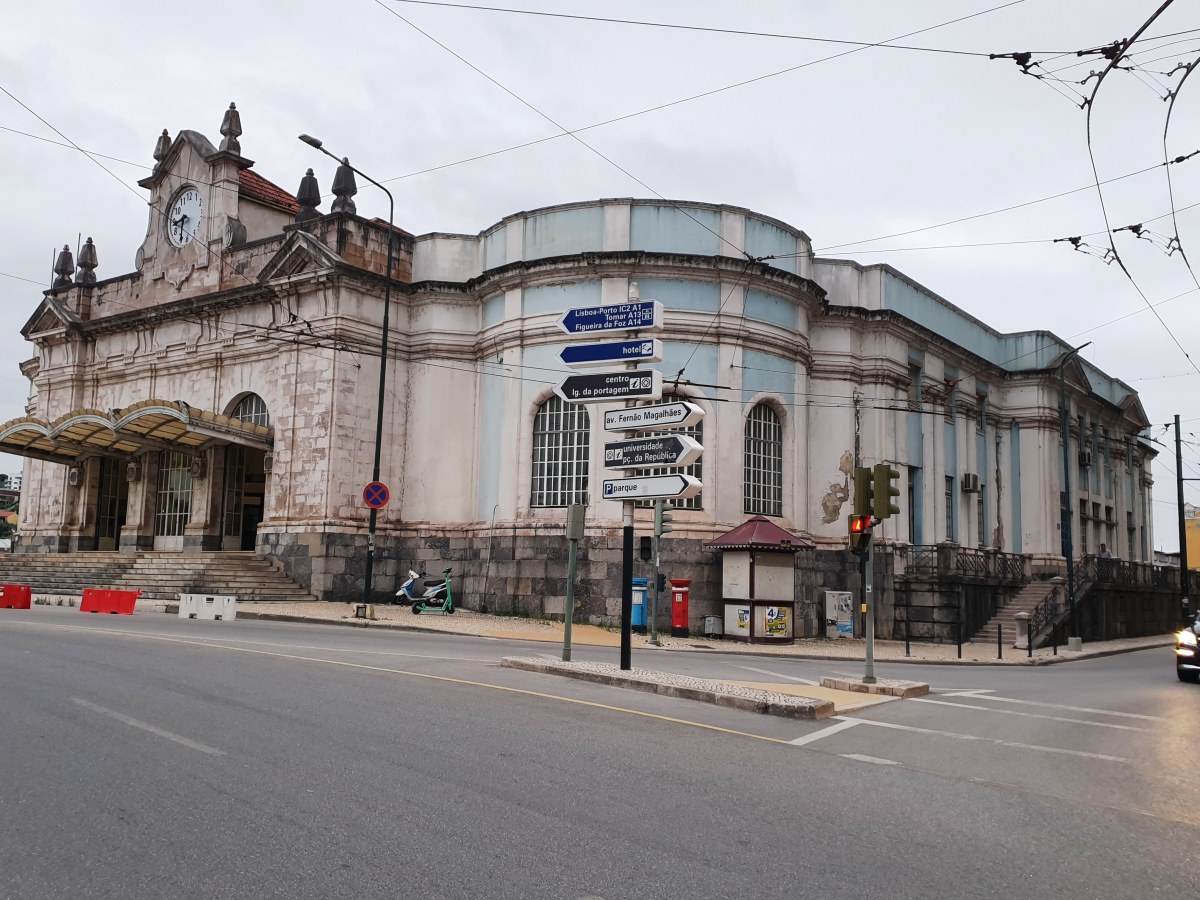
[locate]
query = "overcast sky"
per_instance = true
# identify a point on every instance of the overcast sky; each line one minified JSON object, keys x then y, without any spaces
{"x":872,"y":143}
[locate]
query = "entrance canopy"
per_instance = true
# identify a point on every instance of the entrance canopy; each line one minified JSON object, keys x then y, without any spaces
{"x":125,"y":433}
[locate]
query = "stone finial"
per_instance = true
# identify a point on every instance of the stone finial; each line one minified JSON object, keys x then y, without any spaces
{"x":344,"y":187}
{"x":634,"y":295}
{"x":231,"y":129}
{"x":64,"y":268}
{"x":162,"y":146}
{"x":88,"y":260}
{"x":309,"y":198}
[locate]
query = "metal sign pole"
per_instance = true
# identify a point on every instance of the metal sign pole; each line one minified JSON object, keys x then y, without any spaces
{"x":575,"y":523}
{"x":869,"y":610}
{"x":658,"y":504}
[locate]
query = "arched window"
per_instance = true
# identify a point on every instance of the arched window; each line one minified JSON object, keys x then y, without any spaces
{"x":696,"y":469}
{"x":763,"y":481}
{"x":560,"y":454}
{"x":252,"y":409}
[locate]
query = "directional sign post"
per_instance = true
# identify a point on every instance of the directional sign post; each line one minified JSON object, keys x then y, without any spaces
{"x":645,"y":453}
{"x":580,"y":356}
{"x":376,"y":495}
{"x":639,"y":384}
{"x":652,"y":418}
{"x":652,"y":487}
{"x":638,"y":315}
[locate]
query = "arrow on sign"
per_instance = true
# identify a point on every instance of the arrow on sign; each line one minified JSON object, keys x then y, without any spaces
{"x":644,"y":453}
{"x":651,"y":487}
{"x":641,"y":315}
{"x":584,"y":355}
{"x":651,"y":418}
{"x":640,"y":384}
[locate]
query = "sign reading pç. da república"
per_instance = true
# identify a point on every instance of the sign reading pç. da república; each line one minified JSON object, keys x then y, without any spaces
{"x":651,"y":452}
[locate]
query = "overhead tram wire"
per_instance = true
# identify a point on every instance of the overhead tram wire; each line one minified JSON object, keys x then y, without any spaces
{"x":698,"y":28}
{"x":1170,"y":184}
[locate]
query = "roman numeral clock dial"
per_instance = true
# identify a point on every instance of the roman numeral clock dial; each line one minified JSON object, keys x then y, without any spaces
{"x":183,"y":217}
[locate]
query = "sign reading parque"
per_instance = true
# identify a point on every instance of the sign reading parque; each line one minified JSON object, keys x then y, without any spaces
{"x":651,"y":418}
{"x":651,"y":487}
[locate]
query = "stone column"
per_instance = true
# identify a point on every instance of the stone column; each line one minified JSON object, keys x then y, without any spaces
{"x":138,"y":532}
{"x":203,"y":530}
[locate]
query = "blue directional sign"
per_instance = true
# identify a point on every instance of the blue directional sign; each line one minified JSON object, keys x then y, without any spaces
{"x":585,"y":355}
{"x":640,"y":315}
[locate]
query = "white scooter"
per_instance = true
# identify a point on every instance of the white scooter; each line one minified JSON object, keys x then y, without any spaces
{"x":435,"y":598}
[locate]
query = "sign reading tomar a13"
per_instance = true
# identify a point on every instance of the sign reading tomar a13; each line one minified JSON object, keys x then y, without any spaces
{"x":640,"y":384}
{"x":639,"y":315}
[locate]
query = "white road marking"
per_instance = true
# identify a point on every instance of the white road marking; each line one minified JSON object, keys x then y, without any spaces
{"x":871,"y":759}
{"x":824,"y":732}
{"x":975,"y":737}
{"x":1013,"y":712}
{"x":962,"y":692}
{"x":1086,"y":709}
{"x":138,"y":723}
{"x":779,"y":675}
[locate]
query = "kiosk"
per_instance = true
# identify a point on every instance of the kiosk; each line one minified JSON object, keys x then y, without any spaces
{"x":758,"y":569}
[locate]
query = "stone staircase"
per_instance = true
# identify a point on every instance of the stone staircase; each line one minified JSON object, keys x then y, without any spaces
{"x":158,"y":575}
{"x":1025,"y":601}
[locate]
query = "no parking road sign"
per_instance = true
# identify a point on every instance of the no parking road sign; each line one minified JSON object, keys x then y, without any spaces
{"x":376,"y":495}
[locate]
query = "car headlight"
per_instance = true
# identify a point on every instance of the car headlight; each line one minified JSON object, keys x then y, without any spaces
{"x":1187,"y":638}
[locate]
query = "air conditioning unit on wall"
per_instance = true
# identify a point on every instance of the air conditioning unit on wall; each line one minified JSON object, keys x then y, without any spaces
{"x":970,"y":483}
{"x":1085,"y":459}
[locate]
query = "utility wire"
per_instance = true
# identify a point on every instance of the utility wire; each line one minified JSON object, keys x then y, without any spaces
{"x":681,"y":27}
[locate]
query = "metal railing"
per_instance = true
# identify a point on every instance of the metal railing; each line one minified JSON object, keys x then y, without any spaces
{"x":951,"y":560}
{"x":970,"y":562}
{"x":1045,"y":613}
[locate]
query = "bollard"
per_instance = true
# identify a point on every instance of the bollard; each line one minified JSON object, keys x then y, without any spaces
{"x":1029,"y":638}
{"x":999,"y":640}
{"x":1054,"y":636}
{"x":907,"y":618}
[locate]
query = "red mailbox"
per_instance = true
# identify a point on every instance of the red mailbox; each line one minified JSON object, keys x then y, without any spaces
{"x":679,"y":606}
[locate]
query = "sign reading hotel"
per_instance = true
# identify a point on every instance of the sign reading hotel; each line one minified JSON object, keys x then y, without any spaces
{"x":586,"y":355}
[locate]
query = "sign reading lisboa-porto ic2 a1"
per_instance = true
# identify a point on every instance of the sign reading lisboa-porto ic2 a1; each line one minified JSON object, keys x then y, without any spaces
{"x":635,"y":315}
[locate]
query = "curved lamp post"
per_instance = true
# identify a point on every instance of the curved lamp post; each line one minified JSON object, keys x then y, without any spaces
{"x":383,"y":349}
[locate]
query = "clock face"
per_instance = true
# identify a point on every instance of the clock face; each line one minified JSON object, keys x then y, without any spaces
{"x":183,"y":218}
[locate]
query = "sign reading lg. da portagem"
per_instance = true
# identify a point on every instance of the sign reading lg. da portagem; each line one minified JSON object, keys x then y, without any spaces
{"x":640,"y":384}
{"x":638,"y":315}
{"x":643,"y":453}
{"x":652,"y":487}
{"x":651,"y":418}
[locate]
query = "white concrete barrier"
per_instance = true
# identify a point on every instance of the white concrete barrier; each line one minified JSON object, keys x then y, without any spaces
{"x":207,"y":606}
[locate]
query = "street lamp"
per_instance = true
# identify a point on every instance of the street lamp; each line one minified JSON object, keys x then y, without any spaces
{"x":1068,"y":504}
{"x":383,"y":349}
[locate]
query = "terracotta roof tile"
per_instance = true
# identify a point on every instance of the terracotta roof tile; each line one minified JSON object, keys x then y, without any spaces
{"x":255,"y":187}
{"x":760,"y":533}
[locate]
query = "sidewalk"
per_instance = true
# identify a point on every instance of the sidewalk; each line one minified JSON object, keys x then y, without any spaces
{"x":467,"y":622}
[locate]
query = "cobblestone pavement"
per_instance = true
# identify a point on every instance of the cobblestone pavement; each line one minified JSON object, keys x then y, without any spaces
{"x":486,"y":625}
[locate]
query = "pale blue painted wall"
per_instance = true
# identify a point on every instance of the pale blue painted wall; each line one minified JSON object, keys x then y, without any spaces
{"x":981,"y":466}
{"x":560,"y":297}
{"x":765,"y":239}
{"x":490,"y":436}
{"x":542,"y":369}
{"x":769,"y":308}
{"x":695,"y":295}
{"x":701,"y":362}
{"x":495,"y":248}
{"x":766,"y":372}
{"x":564,"y":232}
{"x":493,"y":311}
{"x":665,"y":229}
{"x":1015,"y":488}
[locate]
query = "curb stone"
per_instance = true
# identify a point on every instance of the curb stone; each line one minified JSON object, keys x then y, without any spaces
{"x":888,"y":686}
{"x":765,"y":703}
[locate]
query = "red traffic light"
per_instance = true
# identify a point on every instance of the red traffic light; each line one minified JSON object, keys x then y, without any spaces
{"x":860,"y":524}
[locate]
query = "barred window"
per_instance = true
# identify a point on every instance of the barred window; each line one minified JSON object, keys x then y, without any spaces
{"x":174,"y":508}
{"x":560,"y":454}
{"x":763,"y":459}
{"x":695,"y":432}
{"x":253,"y":409}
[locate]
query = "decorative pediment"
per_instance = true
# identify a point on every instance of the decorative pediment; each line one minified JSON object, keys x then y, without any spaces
{"x":1073,"y":372}
{"x":51,"y":315}
{"x":301,"y":252}
{"x":1134,"y":411}
{"x":186,"y":138}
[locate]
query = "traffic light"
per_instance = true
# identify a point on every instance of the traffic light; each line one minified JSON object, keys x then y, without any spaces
{"x":862,"y":491}
{"x":860,"y":533}
{"x":884,"y":490}
{"x":661,"y":518}
{"x":662,"y":582}
{"x":646,"y":551}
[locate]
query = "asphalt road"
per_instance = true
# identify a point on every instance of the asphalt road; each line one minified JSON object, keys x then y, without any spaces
{"x":153,"y":757}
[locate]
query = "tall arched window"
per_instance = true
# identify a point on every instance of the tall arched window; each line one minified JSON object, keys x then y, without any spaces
{"x":696,"y":469}
{"x":763,"y":480}
{"x":560,"y":454}
{"x":252,"y":409}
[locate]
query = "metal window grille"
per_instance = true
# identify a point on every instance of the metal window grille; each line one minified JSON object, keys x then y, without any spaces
{"x":109,"y":514}
{"x":696,"y":432}
{"x":252,"y":409}
{"x":979,"y":506}
{"x":561,"y":433}
{"x":174,"y":508}
{"x":912,"y":505}
{"x":949,"y":507}
{"x":235,"y":484}
{"x":762,"y":485}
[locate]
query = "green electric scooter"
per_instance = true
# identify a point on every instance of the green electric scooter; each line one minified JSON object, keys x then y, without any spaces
{"x":440,"y":600}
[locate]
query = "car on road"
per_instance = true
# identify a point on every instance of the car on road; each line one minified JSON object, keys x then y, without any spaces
{"x":1187,"y":653}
